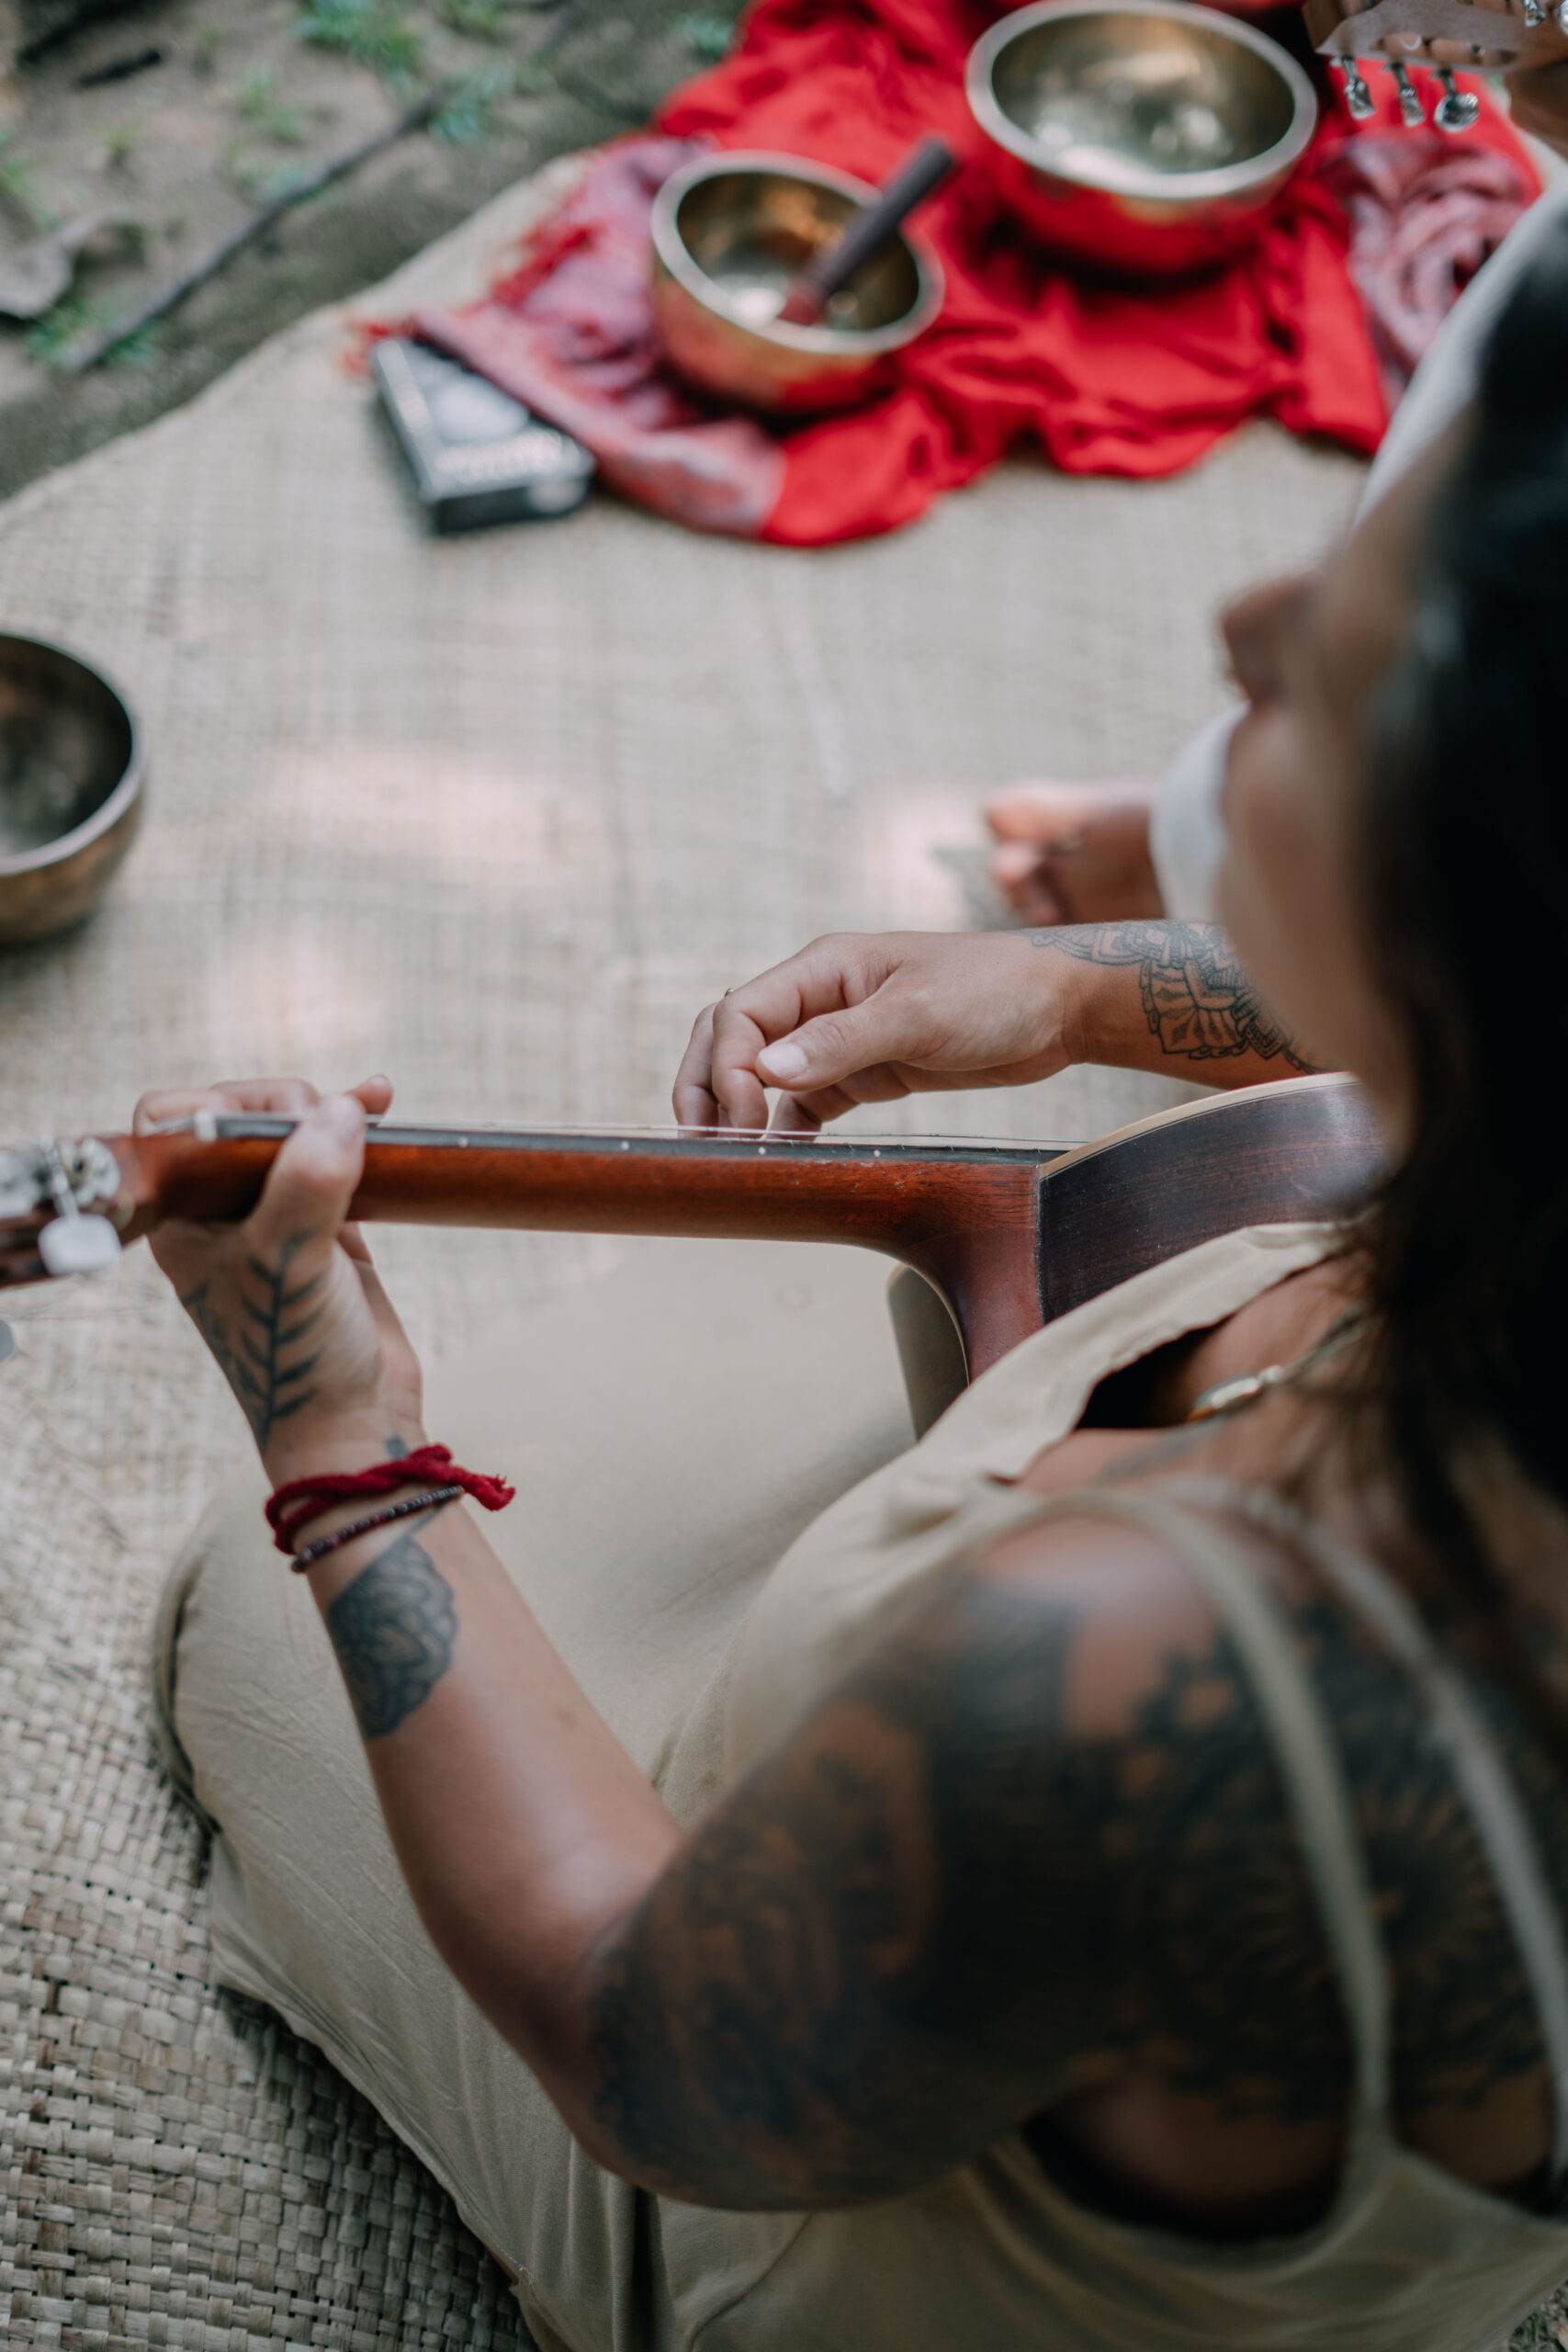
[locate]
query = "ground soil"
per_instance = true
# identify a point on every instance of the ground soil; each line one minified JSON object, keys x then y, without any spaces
{"x":240,"y":100}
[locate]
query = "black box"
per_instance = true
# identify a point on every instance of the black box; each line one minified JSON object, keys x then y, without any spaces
{"x":476,"y":455}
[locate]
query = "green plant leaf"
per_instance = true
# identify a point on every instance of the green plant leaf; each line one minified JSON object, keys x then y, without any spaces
{"x":374,"y":32}
{"x":464,"y":120}
{"x":709,"y":36}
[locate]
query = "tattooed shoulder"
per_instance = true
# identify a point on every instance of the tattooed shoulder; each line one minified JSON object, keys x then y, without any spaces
{"x":944,"y":1906}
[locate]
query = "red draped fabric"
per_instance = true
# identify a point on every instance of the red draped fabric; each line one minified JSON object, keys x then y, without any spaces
{"x":1103,"y":378}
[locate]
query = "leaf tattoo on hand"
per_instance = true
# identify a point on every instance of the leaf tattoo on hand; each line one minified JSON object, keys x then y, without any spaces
{"x":260,"y":1361}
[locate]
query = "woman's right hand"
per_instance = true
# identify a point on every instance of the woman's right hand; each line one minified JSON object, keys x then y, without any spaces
{"x":868,"y":1018}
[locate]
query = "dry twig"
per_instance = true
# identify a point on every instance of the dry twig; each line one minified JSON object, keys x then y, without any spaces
{"x":89,"y":355}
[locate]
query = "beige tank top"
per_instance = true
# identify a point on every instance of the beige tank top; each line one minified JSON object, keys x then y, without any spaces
{"x":995,"y":2257}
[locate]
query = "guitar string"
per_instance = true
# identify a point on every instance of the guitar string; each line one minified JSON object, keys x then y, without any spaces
{"x":238,"y":1125}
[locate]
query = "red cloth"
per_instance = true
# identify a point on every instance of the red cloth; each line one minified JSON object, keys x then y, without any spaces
{"x":289,"y":1507}
{"x":1108,"y":379}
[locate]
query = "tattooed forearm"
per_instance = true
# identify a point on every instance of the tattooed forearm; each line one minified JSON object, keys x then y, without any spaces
{"x":261,"y":1361}
{"x":1199,"y":999}
{"x":394,"y":1629}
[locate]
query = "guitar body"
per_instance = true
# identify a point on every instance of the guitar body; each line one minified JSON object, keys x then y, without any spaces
{"x":1272,"y":1155}
{"x":1010,"y":1236}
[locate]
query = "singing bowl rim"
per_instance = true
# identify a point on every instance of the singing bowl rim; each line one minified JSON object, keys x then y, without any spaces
{"x":1167,"y":189}
{"x":845,"y":343}
{"x":122,"y":795}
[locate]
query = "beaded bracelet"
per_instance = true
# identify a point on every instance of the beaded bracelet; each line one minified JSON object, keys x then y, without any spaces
{"x":410,"y":1504}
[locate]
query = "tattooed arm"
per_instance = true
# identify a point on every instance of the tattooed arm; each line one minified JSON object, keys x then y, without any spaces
{"x":1030,"y":1868}
{"x":983,"y":1878}
{"x":868,"y":1017}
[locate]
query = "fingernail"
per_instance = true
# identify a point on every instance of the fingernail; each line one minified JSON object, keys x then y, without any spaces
{"x":786,"y":1061}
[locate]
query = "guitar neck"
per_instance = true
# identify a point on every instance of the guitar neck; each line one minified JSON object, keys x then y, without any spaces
{"x":944,"y":1208}
{"x":884,"y":1193}
{"x":1011,"y":1235}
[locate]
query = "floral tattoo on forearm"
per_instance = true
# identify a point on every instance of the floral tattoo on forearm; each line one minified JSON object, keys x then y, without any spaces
{"x":394,"y":1629}
{"x":1200,"y":1000}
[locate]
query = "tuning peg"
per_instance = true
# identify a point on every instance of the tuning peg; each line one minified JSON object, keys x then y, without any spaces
{"x":1359,"y":102}
{"x":1456,"y":109}
{"x":1532,"y":13}
{"x":1563,"y":15}
{"x":1412,"y":113}
{"x":78,"y":1245}
{"x":72,"y":1242}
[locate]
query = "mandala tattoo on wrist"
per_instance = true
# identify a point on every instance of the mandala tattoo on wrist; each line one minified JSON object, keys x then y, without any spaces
{"x":394,"y":1629}
{"x":260,"y":1361}
{"x":1200,"y":1000}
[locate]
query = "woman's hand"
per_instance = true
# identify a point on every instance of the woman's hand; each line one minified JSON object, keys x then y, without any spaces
{"x":288,"y":1302}
{"x":857,"y":1018}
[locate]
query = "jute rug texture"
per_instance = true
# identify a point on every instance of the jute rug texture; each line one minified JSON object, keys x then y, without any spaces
{"x":496,"y":815}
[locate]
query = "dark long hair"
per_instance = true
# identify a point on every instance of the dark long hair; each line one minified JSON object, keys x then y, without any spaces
{"x":1465,"y":841}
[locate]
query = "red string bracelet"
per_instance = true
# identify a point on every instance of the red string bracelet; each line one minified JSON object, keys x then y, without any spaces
{"x":292,"y":1507}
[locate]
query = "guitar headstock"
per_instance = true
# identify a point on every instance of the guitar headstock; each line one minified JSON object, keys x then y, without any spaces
{"x":1398,"y":34}
{"x":54,"y":1199}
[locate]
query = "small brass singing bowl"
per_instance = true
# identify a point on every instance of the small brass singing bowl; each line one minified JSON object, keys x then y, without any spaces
{"x":731,"y":232}
{"x":1144,"y":137}
{"x":71,"y":778}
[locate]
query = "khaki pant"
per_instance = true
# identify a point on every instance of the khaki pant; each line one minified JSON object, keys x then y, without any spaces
{"x":669,"y":1430}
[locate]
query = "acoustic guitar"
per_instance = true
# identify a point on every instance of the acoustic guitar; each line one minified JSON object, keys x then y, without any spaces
{"x":1006,"y":1236}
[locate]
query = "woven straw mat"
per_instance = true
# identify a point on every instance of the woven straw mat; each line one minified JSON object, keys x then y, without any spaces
{"x":496,"y":814}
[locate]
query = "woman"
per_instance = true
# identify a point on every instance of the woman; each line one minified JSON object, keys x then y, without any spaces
{"x":1102,"y":1886}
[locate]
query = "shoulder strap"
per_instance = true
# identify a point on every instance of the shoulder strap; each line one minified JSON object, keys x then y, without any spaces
{"x":1307,"y":1754}
{"x":1481,"y":1776}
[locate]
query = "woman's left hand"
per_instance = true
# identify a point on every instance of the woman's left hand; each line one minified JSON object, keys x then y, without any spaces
{"x":288,"y":1302}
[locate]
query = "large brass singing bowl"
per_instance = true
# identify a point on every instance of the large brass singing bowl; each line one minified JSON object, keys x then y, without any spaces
{"x":729,"y":233}
{"x":1143,"y":137}
{"x":71,"y":778}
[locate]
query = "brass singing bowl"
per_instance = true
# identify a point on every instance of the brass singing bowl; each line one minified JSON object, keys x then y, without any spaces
{"x":729,"y":233}
{"x":71,"y":780}
{"x":1143,"y":137}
